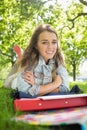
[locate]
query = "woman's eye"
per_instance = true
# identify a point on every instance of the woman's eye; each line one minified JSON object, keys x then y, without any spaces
{"x":44,"y":42}
{"x":54,"y":42}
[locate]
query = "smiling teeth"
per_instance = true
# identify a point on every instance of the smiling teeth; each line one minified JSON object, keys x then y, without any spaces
{"x":49,"y":52}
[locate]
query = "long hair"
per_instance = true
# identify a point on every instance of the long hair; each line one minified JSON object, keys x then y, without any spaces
{"x":31,"y":55}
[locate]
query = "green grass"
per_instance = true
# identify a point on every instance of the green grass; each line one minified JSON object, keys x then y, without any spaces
{"x":7,"y":111}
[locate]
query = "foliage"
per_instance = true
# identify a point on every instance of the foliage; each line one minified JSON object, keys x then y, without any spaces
{"x":18,"y":19}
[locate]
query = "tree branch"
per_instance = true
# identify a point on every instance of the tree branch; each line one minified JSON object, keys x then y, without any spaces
{"x":79,"y":14}
{"x":83,"y":2}
{"x":72,"y":20}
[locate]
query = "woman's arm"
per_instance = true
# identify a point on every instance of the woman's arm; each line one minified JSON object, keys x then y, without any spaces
{"x":60,"y":83}
{"x":64,"y":87}
{"x":39,"y":89}
{"x":51,"y":87}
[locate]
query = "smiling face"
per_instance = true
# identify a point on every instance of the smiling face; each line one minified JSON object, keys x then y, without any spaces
{"x":47,"y":45}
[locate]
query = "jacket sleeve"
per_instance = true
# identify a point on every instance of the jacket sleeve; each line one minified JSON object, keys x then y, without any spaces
{"x":25,"y":87}
{"x":64,"y":87}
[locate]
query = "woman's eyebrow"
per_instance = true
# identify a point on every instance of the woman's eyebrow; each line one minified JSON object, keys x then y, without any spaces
{"x":55,"y":40}
{"x":44,"y":40}
{"x":47,"y":40}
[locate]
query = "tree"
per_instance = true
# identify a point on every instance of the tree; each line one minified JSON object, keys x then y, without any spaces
{"x":74,"y":38}
{"x":17,"y":20}
{"x":20,"y":17}
{"x":79,"y":14}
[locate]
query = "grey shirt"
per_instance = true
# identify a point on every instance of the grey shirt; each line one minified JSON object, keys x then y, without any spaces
{"x":43,"y":75}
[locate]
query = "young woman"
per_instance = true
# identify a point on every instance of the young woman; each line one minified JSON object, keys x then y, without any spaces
{"x":44,"y":69}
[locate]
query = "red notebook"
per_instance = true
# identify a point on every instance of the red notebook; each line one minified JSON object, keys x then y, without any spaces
{"x":50,"y":102}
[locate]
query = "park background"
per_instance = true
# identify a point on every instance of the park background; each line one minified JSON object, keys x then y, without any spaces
{"x":19,"y":18}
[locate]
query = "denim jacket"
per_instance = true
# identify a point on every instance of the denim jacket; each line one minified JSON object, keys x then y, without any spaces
{"x":43,"y":75}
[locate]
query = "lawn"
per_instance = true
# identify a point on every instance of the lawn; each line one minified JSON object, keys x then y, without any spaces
{"x":7,"y":111}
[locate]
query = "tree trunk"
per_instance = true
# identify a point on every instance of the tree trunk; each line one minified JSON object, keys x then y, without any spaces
{"x":74,"y":71}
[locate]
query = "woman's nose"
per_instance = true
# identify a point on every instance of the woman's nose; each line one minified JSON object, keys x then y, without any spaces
{"x":50,"y":45}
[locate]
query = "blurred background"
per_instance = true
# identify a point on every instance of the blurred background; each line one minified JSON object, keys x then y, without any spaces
{"x":18,"y":19}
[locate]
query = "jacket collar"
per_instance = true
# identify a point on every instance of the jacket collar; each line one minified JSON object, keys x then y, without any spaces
{"x":42,"y":61}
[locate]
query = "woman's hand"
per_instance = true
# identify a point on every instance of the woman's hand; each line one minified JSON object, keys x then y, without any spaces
{"x":57,"y":80}
{"x":28,"y":77}
{"x":51,"y":87}
{"x":55,"y":90}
